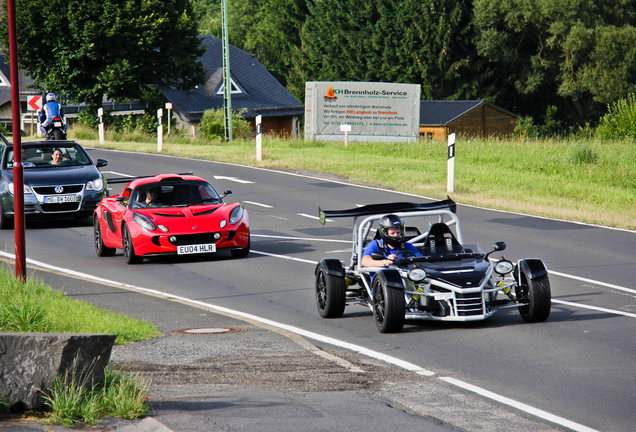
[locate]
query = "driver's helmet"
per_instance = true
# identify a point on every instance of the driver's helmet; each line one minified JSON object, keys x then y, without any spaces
{"x":50,"y":97}
{"x":391,"y":221}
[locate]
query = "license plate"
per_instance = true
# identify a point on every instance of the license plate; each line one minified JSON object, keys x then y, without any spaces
{"x":195,"y":249}
{"x":60,"y":199}
{"x":444,"y":296}
{"x":57,"y":124}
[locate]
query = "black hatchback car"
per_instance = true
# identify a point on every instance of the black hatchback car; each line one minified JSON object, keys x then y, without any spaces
{"x":60,"y":180}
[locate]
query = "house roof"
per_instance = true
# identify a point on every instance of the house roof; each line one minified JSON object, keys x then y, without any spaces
{"x":443,"y":112}
{"x":260,"y":93}
{"x":5,"y":82}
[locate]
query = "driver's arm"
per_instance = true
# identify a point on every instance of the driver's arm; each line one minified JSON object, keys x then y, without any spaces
{"x":367,"y":261}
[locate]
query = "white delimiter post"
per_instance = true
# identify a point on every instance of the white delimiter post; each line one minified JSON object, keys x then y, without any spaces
{"x":259,"y":152}
{"x":451,"y":163}
{"x":159,"y":130}
{"x":100,"y":114}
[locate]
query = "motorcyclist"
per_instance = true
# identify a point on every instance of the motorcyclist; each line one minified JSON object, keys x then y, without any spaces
{"x":49,"y":111}
{"x":391,"y":243}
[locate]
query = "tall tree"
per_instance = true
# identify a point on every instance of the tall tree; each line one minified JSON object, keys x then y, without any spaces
{"x":90,"y":48}
{"x":574,"y":54}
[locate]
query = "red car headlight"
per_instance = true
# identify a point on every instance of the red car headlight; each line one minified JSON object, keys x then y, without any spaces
{"x":144,"y":222}
{"x":236,"y":215}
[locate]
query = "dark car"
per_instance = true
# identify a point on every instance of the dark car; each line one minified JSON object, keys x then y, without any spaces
{"x":60,"y":180}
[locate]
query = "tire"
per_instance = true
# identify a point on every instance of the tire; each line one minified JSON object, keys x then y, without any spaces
{"x":331,"y":294}
{"x":240,"y":253}
{"x":389,"y":307}
{"x":536,"y":296}
{"x":58,"y":135}
{"x":6,"y":222}
{"x":129,"y":249}
{"x":100,"y":249}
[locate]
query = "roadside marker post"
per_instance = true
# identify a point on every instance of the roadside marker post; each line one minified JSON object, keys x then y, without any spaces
{"x":450,"y":185}
{"x":100,"y":115}
{"x":259,"y":131}
{"x":169,"y":108}
{"x":346,"y":129}
{"x":159,"y":130}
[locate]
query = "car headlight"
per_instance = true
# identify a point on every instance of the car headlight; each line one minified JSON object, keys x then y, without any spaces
{"x":144,"y":222}
{"x":417,"y":274}
{"x":236,"y":214}
{"x":27,"y":189}
{"x":96,"y":185}
{"x":503,"y":267}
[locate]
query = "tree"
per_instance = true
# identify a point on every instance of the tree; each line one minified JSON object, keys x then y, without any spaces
{"x":577,"y":55}
{"x":89,"y":48}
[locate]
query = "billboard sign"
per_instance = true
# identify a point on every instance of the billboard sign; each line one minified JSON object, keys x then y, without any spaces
{"x":375,"y":111}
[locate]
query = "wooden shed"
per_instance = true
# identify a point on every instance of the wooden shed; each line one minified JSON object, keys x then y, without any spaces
{"x":438,"y":119}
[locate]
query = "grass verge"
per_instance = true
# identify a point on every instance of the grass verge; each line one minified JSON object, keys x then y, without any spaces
{"x":33,"y":306}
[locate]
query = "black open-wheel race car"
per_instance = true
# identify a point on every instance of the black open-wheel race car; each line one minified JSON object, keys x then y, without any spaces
{"x":451,"y":281}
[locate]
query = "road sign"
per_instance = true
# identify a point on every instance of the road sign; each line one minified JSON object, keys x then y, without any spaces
{"x":34,"y":103}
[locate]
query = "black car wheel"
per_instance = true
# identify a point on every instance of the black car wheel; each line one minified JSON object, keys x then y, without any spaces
{"x":100,"y":248}
{"x":389,"y":307}
{"x":330,"y":294}
{"x":536,"y":296}
{"x":240,"y":253}
{"x":129,"y":249}
{"x":5,"y":221}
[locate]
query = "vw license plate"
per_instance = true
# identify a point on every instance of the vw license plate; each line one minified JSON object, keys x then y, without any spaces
{"x":195,"y":249}
{"x":60,"y":199}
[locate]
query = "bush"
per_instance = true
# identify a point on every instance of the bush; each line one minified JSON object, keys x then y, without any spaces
{"x":620,"y":121}
{"x":213,"y":125}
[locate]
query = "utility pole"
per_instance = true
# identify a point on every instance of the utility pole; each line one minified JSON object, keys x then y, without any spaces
{"x":18,"y":174}
{"x":227,"y":78}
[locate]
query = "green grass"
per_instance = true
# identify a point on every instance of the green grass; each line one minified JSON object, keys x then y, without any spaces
{"x":32,"y":306}
{"x":580,"y":179}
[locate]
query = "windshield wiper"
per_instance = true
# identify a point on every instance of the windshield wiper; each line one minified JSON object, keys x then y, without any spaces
{"x":201,"y":201}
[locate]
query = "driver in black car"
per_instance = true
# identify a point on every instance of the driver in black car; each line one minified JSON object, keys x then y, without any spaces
{"x":391,"y":244}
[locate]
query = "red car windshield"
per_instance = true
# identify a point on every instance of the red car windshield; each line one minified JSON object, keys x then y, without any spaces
{"x":179,"y":194}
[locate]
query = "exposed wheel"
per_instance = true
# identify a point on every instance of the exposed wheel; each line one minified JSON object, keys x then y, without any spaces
{"x":331,"y":294}
{"x":129,"y":249}
{"x":100,"y":248}
{"x":389,"y":307}
{"x":536,"y":296}
{"x":58,"y":135}
{"x":6,"y":222}
{"x":239,"y":253}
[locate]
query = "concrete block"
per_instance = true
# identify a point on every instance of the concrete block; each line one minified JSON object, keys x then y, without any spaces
{"x":30,"y":362}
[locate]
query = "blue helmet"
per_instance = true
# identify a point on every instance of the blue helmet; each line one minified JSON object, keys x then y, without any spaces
{"x":50,"y":97}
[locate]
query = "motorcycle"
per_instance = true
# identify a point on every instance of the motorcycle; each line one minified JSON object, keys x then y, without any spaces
{"x":55,"y":130}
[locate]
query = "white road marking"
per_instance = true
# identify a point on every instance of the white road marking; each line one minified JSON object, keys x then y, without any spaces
{"x":300,"y":238}
{"x":118,"y":173}
{"x":596,"y":308}
{"x":257,"y":204}
{"x":233,"y":179}
{"x":313,"y":217}
{"x":592,"y":281}
{"x":518,"y":405}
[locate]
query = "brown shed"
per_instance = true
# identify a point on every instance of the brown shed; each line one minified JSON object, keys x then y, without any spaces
{"x":438,"y":119}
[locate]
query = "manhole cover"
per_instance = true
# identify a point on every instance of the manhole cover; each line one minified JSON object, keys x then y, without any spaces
{"x":208,"y":330}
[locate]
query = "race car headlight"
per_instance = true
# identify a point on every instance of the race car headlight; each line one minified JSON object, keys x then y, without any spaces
{"x":236,"y":214}
{"x":503,"y":267}
{"x":96,"y":185}
{"x":417,"y":274}
{"x":27,"y":189}
{"x":144,"y":222}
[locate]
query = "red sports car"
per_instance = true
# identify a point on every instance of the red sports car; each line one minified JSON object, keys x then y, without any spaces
{"x":169,"y":214}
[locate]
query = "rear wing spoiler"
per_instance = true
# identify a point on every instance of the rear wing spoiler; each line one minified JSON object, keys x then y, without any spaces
{"x":129,"y":179}
{"x":399,"y":207}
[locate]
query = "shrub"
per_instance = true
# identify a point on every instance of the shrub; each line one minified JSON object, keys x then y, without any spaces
{"x":213,"y":125}
{"x":620,"y":121}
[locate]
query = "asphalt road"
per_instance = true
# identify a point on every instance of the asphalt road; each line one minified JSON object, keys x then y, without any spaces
{"x":578,"y":366}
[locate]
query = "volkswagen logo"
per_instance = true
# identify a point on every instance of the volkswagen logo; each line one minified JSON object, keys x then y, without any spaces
{"x":59,"y":189}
